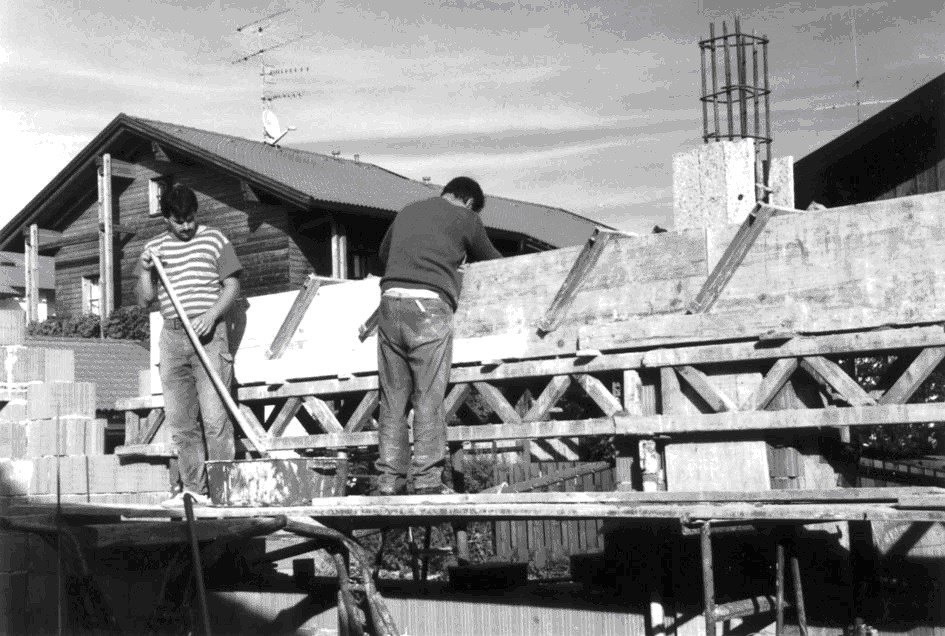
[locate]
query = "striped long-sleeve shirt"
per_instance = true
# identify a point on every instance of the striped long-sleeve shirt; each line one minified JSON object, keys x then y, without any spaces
{"x":195,"y":268}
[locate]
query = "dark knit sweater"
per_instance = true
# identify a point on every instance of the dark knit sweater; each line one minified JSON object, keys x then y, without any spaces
{"x":426,"y":244}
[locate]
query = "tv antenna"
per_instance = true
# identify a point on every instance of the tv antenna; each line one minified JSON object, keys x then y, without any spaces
{"x":272,"y":130}
{"x":859,"y":103}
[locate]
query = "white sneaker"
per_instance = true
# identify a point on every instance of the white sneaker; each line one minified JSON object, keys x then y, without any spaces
{"x":177,"y":501}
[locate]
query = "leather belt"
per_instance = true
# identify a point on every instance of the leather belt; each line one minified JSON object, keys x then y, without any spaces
{"x":173,"y":323}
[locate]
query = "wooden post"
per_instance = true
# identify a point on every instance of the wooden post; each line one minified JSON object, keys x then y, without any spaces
{"x":632,"y":390}
{"x":31,"y":273}
{"x":339,"y":250}
{"x":106,"y":243}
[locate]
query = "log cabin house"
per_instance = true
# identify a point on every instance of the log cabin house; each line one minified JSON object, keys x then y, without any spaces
{"x":288,"y":212}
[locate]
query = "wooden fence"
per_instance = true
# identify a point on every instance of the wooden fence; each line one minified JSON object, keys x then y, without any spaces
{"x":541,"y":541}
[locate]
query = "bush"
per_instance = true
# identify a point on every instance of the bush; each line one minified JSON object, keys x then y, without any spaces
{"x":125,"y":323}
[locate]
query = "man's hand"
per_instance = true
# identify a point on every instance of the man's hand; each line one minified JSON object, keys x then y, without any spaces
{"x":148,"y":256}
{"x":203,"y":324}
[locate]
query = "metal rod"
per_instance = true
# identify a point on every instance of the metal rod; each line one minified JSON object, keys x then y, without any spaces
{"x":764,"y":49}
{"x":198,"y":568}
{"x":715,"y":80}
{"x":779,"y":591}
{"x":728,"y":82}
{"x":759,"y":177}
{"x":741,"y":72}
{"x":708,"y":577}
{"x":59,"y":615}
{"x":705,"y":105}
{"x":798,"y":595}
{"x":221,"y":388}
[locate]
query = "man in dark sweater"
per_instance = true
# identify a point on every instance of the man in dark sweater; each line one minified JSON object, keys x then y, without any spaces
{"x":421,"y":254}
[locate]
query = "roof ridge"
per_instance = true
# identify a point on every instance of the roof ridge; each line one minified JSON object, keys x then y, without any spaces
{"x":305,"y":154}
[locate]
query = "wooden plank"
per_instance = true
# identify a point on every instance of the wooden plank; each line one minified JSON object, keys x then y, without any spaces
{"x":917,"y":373}
{"x":480,"y":433}
{"x":779,"y":373}
{"x":319,"y":410}
{"x":155,"y":420}
{"x":456,"y":398}
{"x":671,"y":396}
{"x":596,"y":390}
{"x":833,"y":377}
{"x":748,"y":232}
{"x":414,"y":509}
{"x":583,"y":264}
{"x":497,"y":402}
{"x":253,"y":429}
{"x":553,"y":391}
{"x":118,"y":168}
{"x":556,"y":476}
{"x":715,"y":398}
{"x":294,"y":318}
{"x":868,"y":341}
{"x":31,"y":273}
{"x":783,"y":419}
{"x":680,"y":330}
{"x":284,"y":416}
{"x":362,"y":413}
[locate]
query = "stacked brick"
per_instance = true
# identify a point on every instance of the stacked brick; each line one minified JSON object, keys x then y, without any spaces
{"x":52,"y":447}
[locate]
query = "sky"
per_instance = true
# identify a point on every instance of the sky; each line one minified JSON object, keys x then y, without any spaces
{"x":576,"y":104}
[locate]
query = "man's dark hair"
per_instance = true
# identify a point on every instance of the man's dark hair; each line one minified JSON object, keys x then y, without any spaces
{"x":178,"y":200}
{"x":464,"y":188}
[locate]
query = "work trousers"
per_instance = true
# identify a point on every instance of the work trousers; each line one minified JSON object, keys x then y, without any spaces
{"x":193,"y":409}
{"x":414,"y":354}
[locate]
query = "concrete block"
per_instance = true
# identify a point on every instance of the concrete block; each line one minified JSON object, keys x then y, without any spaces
{"x":108,"y":475}
{"x":13,"y":440}
{"x":781,"y":182}
{"x":95,"y":437}
{"x":42,"y":558}
{"x":48,"y":400}
{"x":43,"y":603}
{"x":16,"y":476}
{"x":62,"y":436}
{"x":15,"y":409}
{"x":65,"y":475}
{"x":144,"y":382}
{"x":14,"y":603}
{"x":12,"y":326}
{"x":20,"y":364}
{"x":14,"y":551}
{"x":714,"y":184}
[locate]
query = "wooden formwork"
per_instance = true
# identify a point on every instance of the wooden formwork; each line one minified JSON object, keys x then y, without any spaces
{"x":718,"y":394}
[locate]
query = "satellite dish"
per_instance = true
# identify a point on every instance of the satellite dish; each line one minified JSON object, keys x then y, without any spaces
{"x":271,"y":127}
{"x":272,"y":131}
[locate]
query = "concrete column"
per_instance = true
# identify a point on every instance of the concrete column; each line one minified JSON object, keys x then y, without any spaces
{"x":713,"y":184}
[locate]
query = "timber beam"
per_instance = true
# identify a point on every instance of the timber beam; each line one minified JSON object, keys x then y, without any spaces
{"x":832,"y":344}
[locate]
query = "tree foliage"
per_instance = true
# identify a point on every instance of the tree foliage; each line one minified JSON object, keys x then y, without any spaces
{"x":125,"y":323}
{"x":876,"y":374}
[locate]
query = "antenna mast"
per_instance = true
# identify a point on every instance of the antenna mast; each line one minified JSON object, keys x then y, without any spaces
{"x":272,"y":131}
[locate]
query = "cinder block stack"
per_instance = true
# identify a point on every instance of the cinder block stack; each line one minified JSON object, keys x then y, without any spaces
{"x":51,"y":445}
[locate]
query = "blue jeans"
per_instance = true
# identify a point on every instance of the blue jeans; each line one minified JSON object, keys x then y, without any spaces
{"x":199,"y":422}
{"x":414,"y":355}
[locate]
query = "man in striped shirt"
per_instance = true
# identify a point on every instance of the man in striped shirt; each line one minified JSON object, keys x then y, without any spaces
{"x":203,"y":269}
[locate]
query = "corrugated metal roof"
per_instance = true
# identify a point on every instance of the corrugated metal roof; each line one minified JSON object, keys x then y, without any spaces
{"x":113,"y":365}
{"x":343,"y":181}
